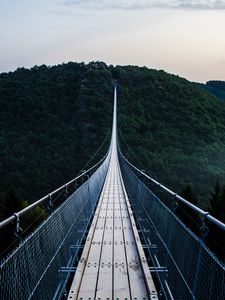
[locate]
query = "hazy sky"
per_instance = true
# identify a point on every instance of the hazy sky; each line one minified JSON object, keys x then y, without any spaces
{"x":184,"y":37}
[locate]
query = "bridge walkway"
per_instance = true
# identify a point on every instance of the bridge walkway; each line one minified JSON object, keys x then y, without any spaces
{"x":113,"y":264}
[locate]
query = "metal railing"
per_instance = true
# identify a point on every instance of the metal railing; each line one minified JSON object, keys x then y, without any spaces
{"x":191,"y":270}
{"x":206,"y":215}
{"x":16,"y":216}
{"x":36,"y":268}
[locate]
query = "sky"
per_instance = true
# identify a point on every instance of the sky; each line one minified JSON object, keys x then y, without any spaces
{"x":183,"y":37}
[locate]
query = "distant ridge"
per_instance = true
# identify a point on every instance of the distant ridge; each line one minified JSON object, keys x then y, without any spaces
{"x":215,"y":87}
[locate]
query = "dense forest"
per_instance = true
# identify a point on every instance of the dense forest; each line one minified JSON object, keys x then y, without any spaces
{"x":217,"y":84}
{"x":215,"y":87}
{"x":175,"y":129}
{"x":54,"y":119}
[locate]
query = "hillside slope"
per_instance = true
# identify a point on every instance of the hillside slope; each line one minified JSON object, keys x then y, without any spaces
{"x":214,"y":88}
{"x":52,"y":120}
{"x":175,"y":129}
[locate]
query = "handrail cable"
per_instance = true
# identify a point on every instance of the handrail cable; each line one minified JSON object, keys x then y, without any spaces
{"x":183,"y":210}
{"x":33,"y":205}
{"x":200,"y":211}
{"x":97,"y":151}
{"x":130,"y":150}
{"x":40,"y":201}
{"x":133,"y":153}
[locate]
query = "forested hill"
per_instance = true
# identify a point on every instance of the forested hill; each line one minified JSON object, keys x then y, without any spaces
{"x":217,"y":84}
{"x":54,"y":118}
{"x":215,"y":87}
{"x":52,"y":121}
{"x":175,"y":129}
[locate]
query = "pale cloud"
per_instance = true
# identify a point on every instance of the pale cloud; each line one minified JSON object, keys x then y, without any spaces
{"x":145,"y":4}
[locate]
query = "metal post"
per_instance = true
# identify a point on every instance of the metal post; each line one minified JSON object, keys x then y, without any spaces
{"x":18,"y":230}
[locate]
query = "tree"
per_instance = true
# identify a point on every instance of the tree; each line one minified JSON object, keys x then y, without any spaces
{"x":216,"y":236}
{"x":184,"y":212}
{"x":219,"y":206}
{"x":11,"y":202}
{"x":215,"y":195}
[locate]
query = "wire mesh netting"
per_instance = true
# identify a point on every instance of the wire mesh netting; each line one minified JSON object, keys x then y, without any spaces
{"x":193,"y":271}
{"x":32,"y":271}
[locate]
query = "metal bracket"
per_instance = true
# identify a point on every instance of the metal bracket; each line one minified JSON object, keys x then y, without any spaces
{"x":175,"y":204}
{"x":152,"y":248}
{"x":74,"y":248}
{"x":50,"y":204}
{"x":83,"y":176}
{"x":158,"y":270}
{"x":76,"y":185}
{"x":18,"y":230}
{"x":65,"y":271}
{"x":141,"y":175}
{"x":142,"y":220}
{"x":162,"y":272}
{"x":144,"y":231}
{"x":66,"y":190}
{"x":204,"y":230}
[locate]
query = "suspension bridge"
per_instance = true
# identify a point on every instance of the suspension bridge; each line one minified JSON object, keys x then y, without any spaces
{"x":112,"y":239}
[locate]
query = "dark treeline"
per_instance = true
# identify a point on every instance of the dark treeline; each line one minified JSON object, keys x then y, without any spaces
{"x":215,"y":87}
{"x":218,"y":84}
{"x":52,"y":120}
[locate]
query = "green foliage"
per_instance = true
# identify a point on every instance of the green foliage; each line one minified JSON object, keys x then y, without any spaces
{"x":215,"y":196}
{"x":218,"y":203}
{"x":52,"y":120}
{"x":216,"y":238}
{"x":10,"y":202}
{"x":175,"y":129}
{"x":185,"y":213}
{"x":189,"y":194}
{"x":217,"y":84}
{"x":217,"y":90}
{"x":33,"y":217}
